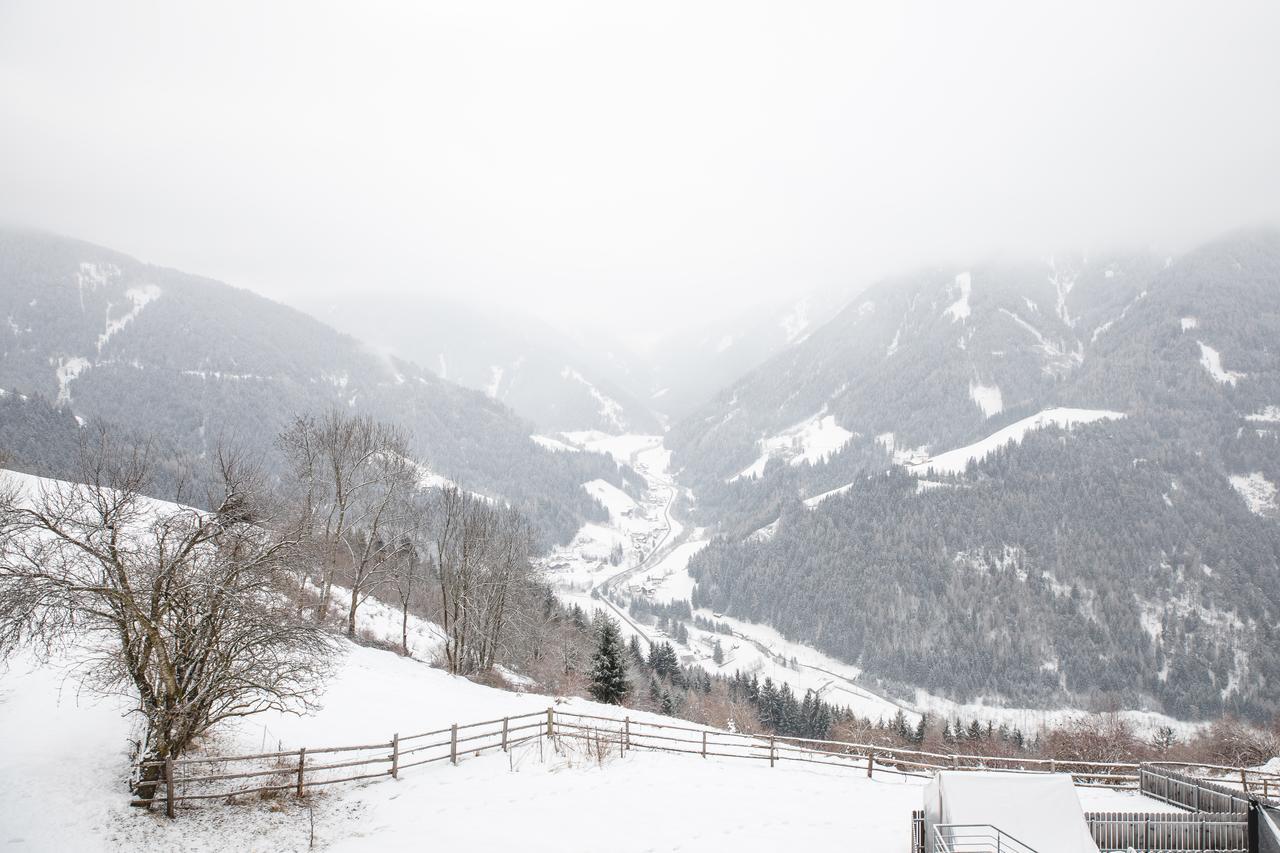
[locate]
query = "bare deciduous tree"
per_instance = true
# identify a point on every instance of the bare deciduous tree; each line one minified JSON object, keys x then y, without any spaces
{"x":481,"y":565}
{"x":354,"y":477}
{"x":185,"y":610}
{"x":408,"y":578}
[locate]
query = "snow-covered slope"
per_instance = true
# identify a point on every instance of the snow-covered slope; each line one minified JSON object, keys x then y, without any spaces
{"x":812,"y":440}
{"x":189,"y":361}
{"x":955,"y":461}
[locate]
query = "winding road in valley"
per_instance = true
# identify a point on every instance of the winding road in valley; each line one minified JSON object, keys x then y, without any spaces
{"x":672,"y":535}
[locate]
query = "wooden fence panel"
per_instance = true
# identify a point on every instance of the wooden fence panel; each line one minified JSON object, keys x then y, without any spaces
{"x":1170,"y":832}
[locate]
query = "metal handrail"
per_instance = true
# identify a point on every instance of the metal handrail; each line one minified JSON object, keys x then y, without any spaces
{"x":975,"y":838}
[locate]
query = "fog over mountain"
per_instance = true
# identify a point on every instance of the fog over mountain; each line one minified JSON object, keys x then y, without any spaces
{"x":632,"y":168}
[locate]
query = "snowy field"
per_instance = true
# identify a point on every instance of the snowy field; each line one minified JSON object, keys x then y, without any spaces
{"x":62,"y":783}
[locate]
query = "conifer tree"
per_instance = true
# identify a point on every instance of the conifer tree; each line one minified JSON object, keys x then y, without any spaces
{"x":609,"y":666}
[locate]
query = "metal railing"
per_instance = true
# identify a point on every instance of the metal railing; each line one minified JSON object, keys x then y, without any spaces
{"x":1117,"y":832}
{"x":975,"y":838}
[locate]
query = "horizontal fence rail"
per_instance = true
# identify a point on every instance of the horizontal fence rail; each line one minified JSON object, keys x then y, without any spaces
{"x":298,"y":771}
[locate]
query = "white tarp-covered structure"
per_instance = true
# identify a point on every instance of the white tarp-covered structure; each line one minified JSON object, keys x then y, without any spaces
{"x":1040,"y":810}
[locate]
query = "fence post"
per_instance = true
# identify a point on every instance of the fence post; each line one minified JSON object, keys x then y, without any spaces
{"x":395,"y":756}
{"x":955,"y":762}
{"x":1244,"y":781}
{"x":1053,"y":765}
{"x":506,"y":727}
{"x":704,"y":743}
{"x":626,"y":737}
{"x":168,"y":787}
{"x":302,"y":763}
{"x":771,"y":756}
{"x":453,"y":744}
{"x":551,"y":722}
{"x":871,"y":754}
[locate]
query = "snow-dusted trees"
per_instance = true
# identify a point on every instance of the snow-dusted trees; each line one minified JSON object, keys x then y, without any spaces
{"x":609,"y":682}
{"x":354,"y":478}
{"x":186,"y":610}
{"x":481,"y":554}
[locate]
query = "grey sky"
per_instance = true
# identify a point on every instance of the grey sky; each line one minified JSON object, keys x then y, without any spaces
{"x":604,"y":162}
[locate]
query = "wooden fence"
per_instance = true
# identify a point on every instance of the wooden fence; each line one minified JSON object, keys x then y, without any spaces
{"x":297,"y":771}
{"x":1198,"y":794}
{"x":1116,"y":832}
{"x":1223,"y":831}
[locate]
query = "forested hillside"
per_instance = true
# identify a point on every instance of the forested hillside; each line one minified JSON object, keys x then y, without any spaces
{"x":189,"y":360}
{"x":1127,"y":546}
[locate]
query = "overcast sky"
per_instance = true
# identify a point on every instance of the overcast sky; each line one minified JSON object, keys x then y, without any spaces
{"x":609,"y":163}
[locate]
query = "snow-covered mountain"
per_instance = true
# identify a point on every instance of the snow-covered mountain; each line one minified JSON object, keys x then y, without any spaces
{"x":102,"y":336}
{"x":515,"y":360}
{"x":1079,"y":453}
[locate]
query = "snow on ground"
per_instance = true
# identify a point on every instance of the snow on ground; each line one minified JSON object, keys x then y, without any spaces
{"x":1189,"y":323}
{"x":819,"y":498}
{"x":553,"y":444}
{"x":955,"y":461}
{"x":609,"y":408}
{"x":623,"y":448}
{"x":1269,"y":415}
{"x":812,"y":440}
{"x":1258,"y":492}
{"x":140,"y":297}
{"x":618,"y":502}
{"x":69,"y":369}
{"x":1211,"y":360}
{"x":638,"y":527}
{"x":643,"y":802}
{"x":1032,"y":720}
{"x":80,"y":801}
{"x":757,"y":649}
{"x":429,"y":479}
{"x":960,"y":310}
{"x":764,"y":534}
{"x":987,"y":397}
{"x":668,"y":577}
{"x":902,"y":455}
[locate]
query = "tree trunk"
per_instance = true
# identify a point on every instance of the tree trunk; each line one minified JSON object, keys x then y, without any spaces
{"x":351,"y":614}
{"x":404,"y":629}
